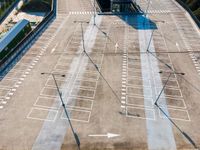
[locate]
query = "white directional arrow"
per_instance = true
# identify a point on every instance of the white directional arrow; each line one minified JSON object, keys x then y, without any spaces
{"x":54,"y":48}
{"x":177,"y":45}
{"x":116,"y":47}
{"x":108,"y":135}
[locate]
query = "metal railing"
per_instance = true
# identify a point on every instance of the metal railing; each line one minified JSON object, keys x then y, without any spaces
{"x":13,"y":56}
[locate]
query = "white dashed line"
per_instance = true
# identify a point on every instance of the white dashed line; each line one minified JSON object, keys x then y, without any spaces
{"x":4,"y":102}
{"x":10,"y":94}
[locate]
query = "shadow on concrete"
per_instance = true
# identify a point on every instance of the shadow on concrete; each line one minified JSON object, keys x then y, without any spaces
{"x":139,"y":22}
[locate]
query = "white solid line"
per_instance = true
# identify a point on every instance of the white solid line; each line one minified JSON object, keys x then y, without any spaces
{"x":178,"y":47}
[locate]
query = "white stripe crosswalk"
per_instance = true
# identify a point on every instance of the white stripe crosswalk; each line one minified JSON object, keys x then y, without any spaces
{"x":81,"y":12}
{"x":158,"y":11}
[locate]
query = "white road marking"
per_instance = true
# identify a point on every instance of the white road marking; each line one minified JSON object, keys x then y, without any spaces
{"x":116,"y":47}
{"x":54,"y":48}
{"x":7,"y":98}
{"x":159,"y":132}
{"x":123,"y":93}
{"x":10,"y":94}
{"x":108,"y":135}
{"x":123,"y":97}
{"x":47,"y":137}
{"x":4,"y":102}
{"x":177,"y":45}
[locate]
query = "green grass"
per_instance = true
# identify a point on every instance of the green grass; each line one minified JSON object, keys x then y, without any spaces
{"x":194,"y":6}
{"x":5,"y":6}
{"x":37,"y":6}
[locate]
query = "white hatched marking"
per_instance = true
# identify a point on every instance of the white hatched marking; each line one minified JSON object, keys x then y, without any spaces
{"x":10,"y":94}
{"x":80,"y":12}
{"x":4,"y":102}
{"x":122,"y":106}
{"x":123,"y":97}
{"x":123,"y":102}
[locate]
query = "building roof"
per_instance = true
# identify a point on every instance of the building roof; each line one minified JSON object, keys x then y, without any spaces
{"x":10,"y":35}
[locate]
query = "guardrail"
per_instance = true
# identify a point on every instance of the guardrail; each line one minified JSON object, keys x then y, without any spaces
{"x":21,"y":48}
{"x":190,"y":12}
{"x":8,"y":10}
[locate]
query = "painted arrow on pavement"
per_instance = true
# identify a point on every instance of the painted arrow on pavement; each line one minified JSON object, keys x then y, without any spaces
{"x":108,"y":135}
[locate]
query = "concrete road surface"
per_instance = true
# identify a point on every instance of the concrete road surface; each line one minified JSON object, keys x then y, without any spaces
{"x":113,"y":76}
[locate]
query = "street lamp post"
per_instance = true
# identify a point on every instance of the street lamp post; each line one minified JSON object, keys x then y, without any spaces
{"x":166,"y":114}
{"x":64,"y":107}
{"x":163,"y":88}
{"x":94,"y":13}
{"x":147,"y":8}
{"x":82,"y":34}
{"x":150,"y":41}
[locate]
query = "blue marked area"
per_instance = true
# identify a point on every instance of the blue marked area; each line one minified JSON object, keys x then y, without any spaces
{"x":159,"y":132}
{"x":138,"y":22}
